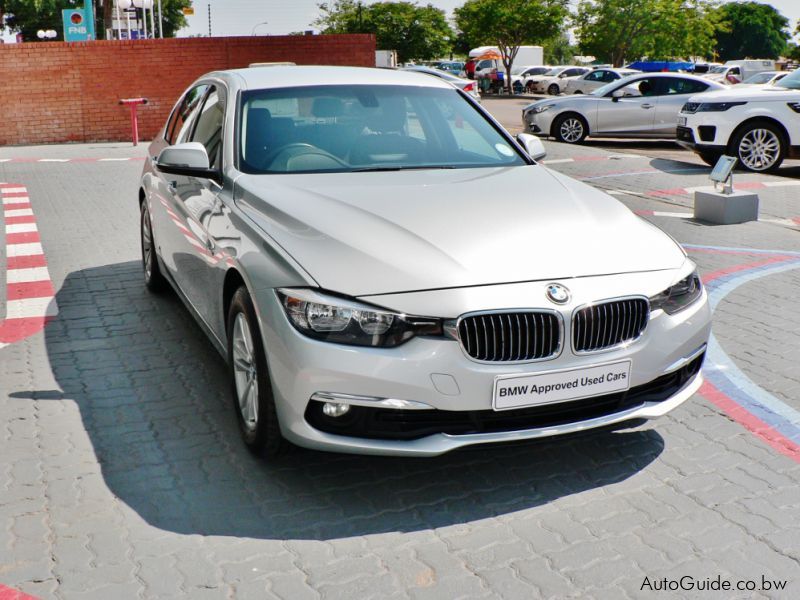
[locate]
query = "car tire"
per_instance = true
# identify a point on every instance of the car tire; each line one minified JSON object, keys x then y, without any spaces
{"x":570,"y":128}
{"x":759,"y":146}
{"x":251,"y":386}
{"x":153,"y":278}
{"x":710,"y":158}
{"x":553,"y":89}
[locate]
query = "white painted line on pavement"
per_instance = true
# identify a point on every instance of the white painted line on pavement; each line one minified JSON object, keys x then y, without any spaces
{"x":12,"y":190}
{"x":21,"y":228}
{"x":675,"y":215}
{"x":32,"y":249}
{"x":16,"y":200}
{"x":781,"y":183}
{"x":31,"y":307}
{"x":19,"y":212}
{"x":27,"y":275}
{"x":111,"y":159}
{"x":556,"y":161}
{"x":53,"y":160}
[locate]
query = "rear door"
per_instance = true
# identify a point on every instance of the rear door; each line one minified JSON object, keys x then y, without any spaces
{"x":673,"y":93}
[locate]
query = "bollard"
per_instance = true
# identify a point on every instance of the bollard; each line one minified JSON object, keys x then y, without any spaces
{"x":134,"y":103}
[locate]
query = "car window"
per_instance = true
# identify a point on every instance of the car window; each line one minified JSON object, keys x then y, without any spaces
{"x":669,"y":86}
{"x":734,"y":71}
{"x":610,"y":76}
{"x":208,"y":130}
{"x":351,"y":127}
{"x":640,"y":87}
{"x":182,"y":116}
{"x":594,"y":76}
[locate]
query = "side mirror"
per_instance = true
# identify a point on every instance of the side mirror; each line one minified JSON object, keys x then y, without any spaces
{"x":532,"y":145}
{"x":617,"y":94}
{"x":190,"y":159}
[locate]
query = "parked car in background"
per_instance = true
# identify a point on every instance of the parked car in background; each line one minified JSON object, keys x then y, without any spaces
{"x":467,"y":85}
{"x":328,"y":228}
{"x":454,"y":67}
{"x":520,"y":74}
{"x":644,"y":105}
{"x":594,"y":79}
{"x":736,"y":71}
{"x":759,"y":125}
{"x":552,"y":81}
{"x":765,"y":78}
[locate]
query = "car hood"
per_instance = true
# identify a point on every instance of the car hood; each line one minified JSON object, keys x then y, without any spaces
{"x":748,"y":94}
{"x":376,"y":233}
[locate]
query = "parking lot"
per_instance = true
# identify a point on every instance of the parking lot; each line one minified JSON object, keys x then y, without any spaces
{"x":124,"y":477}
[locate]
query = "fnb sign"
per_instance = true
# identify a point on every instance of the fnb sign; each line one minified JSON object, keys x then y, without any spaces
{"x":78,"y":26}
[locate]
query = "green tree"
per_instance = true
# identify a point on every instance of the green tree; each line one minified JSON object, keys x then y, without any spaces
{"x":752,"y":30}
{"x":559,"y":50}
{"x":509,"y":24}
{"x":416,"y":32}
{"x":619,"y":31}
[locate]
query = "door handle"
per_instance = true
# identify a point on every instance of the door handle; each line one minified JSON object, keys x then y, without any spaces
{"x":647,"y":105}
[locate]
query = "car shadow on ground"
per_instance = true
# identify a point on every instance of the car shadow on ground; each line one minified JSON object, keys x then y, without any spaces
{"x":154,"y":401}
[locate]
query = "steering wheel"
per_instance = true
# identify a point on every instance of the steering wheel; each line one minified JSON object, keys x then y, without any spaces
{"x":281,"y":157}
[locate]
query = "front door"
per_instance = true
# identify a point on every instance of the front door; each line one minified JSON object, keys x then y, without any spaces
{"x":632,"y":114}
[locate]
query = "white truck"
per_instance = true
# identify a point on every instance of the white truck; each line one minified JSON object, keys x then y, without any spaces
{"x":736,"y":71}
{"x":527,"y":55}
{"x":386,"y":59}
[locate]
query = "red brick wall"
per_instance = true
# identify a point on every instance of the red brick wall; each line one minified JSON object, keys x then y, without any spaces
{"x":60,"y":92}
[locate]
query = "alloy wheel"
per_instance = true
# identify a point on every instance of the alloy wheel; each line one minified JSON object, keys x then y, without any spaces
{"x":571,"y":130}
{"x":147,"y":245}
{"x":245,"y":372}
{"x":759,"y":149}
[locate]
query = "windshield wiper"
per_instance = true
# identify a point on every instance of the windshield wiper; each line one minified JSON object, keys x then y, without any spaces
{"x":400,"y":168}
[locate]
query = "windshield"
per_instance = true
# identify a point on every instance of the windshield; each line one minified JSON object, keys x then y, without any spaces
{"x":345,"y":128}
{"x":718,"y":69}
{"x":610,"y":87}
{"x":791,"y":82}
{"x":759,"y":78}
{"x":555,"y":71}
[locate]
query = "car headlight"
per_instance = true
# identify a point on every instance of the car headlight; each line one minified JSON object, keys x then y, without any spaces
{"x":342,"y":321}
{"x":540,"y":109}
{"x":717,"y":106}
{"x":679,"y":296}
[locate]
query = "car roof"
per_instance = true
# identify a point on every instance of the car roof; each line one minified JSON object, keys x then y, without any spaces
{"x":302,"y":76}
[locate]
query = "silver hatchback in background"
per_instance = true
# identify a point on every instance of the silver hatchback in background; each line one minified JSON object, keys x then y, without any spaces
{"x":354,"y":243}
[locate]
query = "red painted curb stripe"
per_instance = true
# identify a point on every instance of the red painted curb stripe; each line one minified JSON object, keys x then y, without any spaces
{"x":26,"y":262}
{"x":35,"y":299}
{"x":743,"y":267}
{"x":7,"y":593}
{"x":26,"y":237}
{"x":21,"y":219}
{"x":13,"y":330}
{"x":16,"y":205}
{"x":30,"y":289}
{"x":756,"y":426}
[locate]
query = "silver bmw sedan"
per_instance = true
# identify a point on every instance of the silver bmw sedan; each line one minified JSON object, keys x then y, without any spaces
{"x":354,"y":243}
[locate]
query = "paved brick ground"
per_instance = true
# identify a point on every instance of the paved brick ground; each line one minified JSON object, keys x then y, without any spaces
{"x":122,"y":476}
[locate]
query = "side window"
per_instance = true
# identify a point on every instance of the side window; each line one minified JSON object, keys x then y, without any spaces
{"x":734,"y":71}
{"x":610,"y":76}
{"x":642,"y":87}
{"x":182,"y":115}
{"x":596,"y":76}
{"x":670,"y":86}
{"x":208,"y":130}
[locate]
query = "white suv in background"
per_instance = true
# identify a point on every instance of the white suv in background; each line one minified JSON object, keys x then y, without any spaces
{"x":758,"y":125}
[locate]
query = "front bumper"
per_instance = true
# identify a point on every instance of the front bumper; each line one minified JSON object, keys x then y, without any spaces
{"x":440,"y":400}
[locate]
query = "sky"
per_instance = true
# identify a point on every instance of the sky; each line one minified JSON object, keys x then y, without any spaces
{"x":275,"y":17}
{"x":241,"y":17}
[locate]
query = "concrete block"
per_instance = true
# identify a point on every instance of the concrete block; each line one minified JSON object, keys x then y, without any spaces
{"x":725,"y":209}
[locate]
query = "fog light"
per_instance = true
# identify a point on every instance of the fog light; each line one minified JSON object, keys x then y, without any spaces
{"x":335,"y":409}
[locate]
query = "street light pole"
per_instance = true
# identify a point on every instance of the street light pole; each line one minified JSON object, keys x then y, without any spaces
{"x":253,"y":31}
